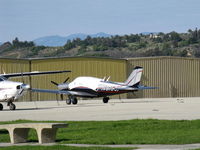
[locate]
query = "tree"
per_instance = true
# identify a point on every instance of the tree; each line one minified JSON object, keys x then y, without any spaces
{"x":175,"y":37}
{"x":15,"y":42}
{"x":193,"y":36}
{"x":69,"y":45}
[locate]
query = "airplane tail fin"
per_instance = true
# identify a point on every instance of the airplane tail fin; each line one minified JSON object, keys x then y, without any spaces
{"x":135,"y":77}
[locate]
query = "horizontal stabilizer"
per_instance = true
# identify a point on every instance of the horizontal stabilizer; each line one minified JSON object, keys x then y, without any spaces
{"x":140,"y":87}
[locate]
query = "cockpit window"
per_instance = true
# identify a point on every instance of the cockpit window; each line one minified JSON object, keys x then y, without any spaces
{"x":1,"y":79}
{"x":18,"y":87}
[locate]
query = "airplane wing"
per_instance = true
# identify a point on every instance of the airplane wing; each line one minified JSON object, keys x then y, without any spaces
{"x":51,"y":91}
{"x":31,"y":73}
{"x":65,"y":92}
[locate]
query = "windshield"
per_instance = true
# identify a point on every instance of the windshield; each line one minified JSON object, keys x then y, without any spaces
{"x":2,"y":79}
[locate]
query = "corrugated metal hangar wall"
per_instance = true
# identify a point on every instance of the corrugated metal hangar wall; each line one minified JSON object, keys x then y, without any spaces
{"x":175,"y":76}
{"x":80,"y":66}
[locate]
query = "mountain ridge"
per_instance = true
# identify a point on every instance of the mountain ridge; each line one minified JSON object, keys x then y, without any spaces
{"x":56,"y":40}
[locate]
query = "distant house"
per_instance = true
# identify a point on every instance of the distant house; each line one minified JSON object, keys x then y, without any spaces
{"x":153,"y":35}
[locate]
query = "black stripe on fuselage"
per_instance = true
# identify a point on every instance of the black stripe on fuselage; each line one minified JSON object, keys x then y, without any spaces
{"x":98,"y":93}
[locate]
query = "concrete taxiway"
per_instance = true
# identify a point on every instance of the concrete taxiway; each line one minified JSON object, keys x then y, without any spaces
{"x":125,"y":109}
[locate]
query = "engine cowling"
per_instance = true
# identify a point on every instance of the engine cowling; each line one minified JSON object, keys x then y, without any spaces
{"x":63,"y":86}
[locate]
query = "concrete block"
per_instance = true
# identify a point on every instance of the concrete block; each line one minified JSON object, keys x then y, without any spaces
{"x":46,"y":132}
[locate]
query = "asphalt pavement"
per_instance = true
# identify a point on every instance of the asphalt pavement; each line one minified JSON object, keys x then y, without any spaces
{"x":125,"y":109}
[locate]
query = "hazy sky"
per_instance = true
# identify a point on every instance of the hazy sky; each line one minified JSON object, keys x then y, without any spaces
{"x":30,"y":19}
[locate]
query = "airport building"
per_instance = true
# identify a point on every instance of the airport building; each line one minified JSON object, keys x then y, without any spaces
{"x":174,"y":76}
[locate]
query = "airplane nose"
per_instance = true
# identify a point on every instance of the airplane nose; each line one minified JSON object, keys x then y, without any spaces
{"x":26,"y":86}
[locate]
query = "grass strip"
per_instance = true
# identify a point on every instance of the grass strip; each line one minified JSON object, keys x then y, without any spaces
{"x":148,"y":131}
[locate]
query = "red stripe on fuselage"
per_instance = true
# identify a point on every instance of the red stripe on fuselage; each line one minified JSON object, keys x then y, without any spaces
{"x":1,"y":89}
{"x":111,"y":92}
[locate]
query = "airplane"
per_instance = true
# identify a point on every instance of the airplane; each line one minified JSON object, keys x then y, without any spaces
{"x":11,"y":91}
{"x":91,"y":87}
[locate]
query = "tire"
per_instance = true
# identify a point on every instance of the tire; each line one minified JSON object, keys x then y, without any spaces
{"x":12,"y":106}
{"x":74,"y":101}
{"x":68,"y":101}
{"x":1,"y":107}
{"x":105,"y":99}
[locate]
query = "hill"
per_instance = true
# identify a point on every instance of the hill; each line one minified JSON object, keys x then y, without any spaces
{"x":60,"y":41}
{"x":133,"y":45}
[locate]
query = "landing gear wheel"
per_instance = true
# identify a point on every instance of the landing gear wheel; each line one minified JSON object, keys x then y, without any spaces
{"x":106,"y":99}
{"x":68,"y":101}
{"x":1,"y":107}
{"x":12,"y":106}
{"x":74,"y":101}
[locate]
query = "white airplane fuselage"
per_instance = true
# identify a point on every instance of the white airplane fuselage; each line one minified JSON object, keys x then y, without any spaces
{"x":10,"y":90}
{"x":94,"y":87}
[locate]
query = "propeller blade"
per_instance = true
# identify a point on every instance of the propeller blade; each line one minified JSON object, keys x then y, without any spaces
{"x":22,"y":78}
{"x":66,"y":80}
{"x":61,"y":96}
{"x":54,"y":83}
{"x":22,"y":74}
{"x":2,"y":70}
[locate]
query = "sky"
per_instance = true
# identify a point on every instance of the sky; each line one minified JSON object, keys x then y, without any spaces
{"x":31,"y":19}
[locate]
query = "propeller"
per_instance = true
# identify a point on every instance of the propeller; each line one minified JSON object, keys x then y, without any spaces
{"x":57,"y":83}
{"x":22,"y":76}
{"x":61,"y":96}
{"x":61,"y":86}
{"x":66,"y":80}
{"x":23,"y":87}
{"x":54,"y":83}
{"x":2,"y":70}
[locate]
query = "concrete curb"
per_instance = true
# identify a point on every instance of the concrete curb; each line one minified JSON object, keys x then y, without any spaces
{"x":138,"y":146}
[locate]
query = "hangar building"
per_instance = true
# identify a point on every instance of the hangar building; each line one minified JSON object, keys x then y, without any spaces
{"x":175,"y":76}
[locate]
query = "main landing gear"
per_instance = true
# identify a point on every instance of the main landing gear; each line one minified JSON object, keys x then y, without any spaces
{"x":1,"y":107}
{"x":106,"y":99}
{"x":72,"y":100}
{"x":11,"y":105}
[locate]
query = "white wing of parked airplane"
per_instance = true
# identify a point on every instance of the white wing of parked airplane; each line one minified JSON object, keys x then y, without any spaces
{"x":9,"y":75}
{"x":64,"y":92}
